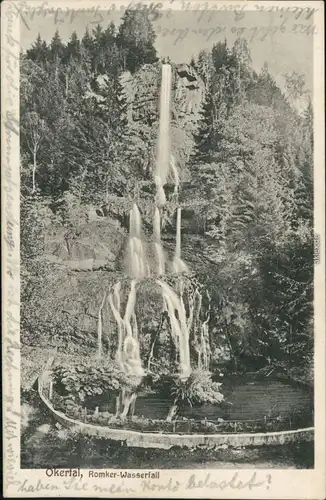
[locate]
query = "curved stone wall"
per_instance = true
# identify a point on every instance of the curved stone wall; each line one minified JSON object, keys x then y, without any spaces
{"x":166,"y":441}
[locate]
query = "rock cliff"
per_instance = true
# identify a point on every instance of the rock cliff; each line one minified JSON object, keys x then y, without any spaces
{"x":87,"y":259}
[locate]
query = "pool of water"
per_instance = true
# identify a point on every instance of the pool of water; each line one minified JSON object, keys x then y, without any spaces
{"x":44,"y":444}
{"x":244,"y":400}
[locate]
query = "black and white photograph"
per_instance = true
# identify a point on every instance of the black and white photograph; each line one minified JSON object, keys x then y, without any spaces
{"x":167,"y":247}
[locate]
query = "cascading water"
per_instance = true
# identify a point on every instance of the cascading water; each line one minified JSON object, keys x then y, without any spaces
{"x":176,"y":178}
{"x":163,"y":145}
{"x":178,"y":265}
{"x":128,"y":354}
{"x":178,"y":325}
{"x":158,"y":244}
{"x":137,"y":266}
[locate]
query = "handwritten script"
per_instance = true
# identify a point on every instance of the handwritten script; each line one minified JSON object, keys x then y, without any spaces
{"x":192,"y":482}
{"x":202,"y":11}
{"x":10,"y":134}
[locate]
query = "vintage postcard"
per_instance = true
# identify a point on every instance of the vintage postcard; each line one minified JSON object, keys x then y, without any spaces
{"x":163,"y":245}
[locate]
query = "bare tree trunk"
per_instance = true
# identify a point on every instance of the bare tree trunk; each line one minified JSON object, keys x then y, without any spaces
{"x":34,"y":171}
{"x":172,"y":411}
{"x":126,"y":405}
{"x":133,"y":405}
{"x":234,"y":358}
{"x":67,"y":86}
{"x":153,"y":342}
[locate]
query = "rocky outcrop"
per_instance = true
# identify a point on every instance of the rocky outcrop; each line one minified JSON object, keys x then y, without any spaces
{"x":141,"y":91}
{"x":85,"y":259}
{"x":99,"y":241}
{"x":189,"y":94}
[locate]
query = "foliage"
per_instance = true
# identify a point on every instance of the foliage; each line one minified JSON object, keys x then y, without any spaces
{"x":136,"y":39}
{"x":197,"y":389}
{"x":193,"y":426}
{"x":92,"y":378}
{"x":88,"y":138}
{"x":253,"y":164}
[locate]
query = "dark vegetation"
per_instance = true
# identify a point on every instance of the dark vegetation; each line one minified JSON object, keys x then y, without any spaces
{"x":88,"y":143}
{"x":63,"y":448}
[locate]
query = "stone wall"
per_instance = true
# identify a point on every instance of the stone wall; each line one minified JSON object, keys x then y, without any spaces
{"x":167,"y":441}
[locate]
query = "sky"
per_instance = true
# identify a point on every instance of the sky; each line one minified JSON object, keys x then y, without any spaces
{"x":280,"y":40}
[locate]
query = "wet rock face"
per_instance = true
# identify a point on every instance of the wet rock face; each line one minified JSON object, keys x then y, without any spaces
{"x":141,"y":91}
{"x":91,"y":253}
{"x":99,"y":241}
{"x":189,"y":93}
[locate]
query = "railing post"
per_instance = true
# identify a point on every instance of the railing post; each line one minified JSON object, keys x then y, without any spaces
{"x":173,"y":427}
{"x":205,"y":422}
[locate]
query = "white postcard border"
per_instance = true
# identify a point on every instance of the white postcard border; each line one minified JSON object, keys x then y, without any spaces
{"x":276,"y":484}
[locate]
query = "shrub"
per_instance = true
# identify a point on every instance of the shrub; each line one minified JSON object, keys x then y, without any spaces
{"x":92,"y":378}
{"x":197,"y":389}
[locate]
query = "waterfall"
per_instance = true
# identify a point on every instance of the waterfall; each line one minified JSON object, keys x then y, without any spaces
{"x":178,"y":325}
{"x":138,"y":267}
{"x":132,"y":360}
{"x":163,"y":147}
{"x":128,"y":353}
{"x":135,"y":222}
{"x":115,"y":308}
{"x":136,"y":262}
{"x":178,"y":265}
{"x":162,"y":162}
{"x":205,"y":336}
{"x":176,"y":177}
{"x":131,"y":302}
{"x":157,"y":225}
{"x":158,"y":244}
{"x":204,"y":342}
{"x":178,"y":235}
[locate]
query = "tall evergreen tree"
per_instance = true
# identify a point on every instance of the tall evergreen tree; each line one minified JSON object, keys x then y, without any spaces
{"x":39,"y":51}
{"x":136,"y":39}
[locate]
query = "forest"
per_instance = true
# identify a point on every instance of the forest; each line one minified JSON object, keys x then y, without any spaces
{"x":89,"y":120}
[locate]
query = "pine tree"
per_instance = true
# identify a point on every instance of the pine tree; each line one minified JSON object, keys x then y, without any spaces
{"x":57,"y":47}
{"x":98,"y":50}
{"x":72,"y":51}
{"x":205,"y":67}
{"x":86,"y":49}
{"x":39,"y":51}
{"x":203,"y":147}
{"x":221,"y":55}
{"x":136,"y":39}
{"x":242,"y":68}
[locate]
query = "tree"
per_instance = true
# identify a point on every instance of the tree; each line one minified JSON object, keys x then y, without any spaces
{"x":205,"y":136}
{"x":39,"y":51}
{"x":56,"y":53}
{"x":136,"y":39}
{"x":295,"y":86}
{"x":72,"y":50}
{"x":205,"y":67}
{"x":34,"y":131}
{"x":86,"y":49}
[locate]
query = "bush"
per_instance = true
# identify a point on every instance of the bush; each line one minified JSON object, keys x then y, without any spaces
{"x":91,"y":378}
{"x":197,"y":389}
